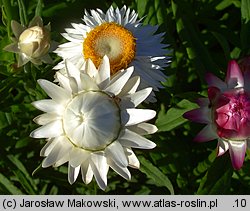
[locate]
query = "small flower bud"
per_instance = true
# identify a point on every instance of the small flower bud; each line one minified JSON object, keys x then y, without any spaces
{"x":34,"y":42}
{"x":31,"y":43}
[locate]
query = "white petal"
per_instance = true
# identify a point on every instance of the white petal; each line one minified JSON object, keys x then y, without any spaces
{"x":222,"y":147}
{"x":135,"y":116}
{"x":78,"y":156}
{"x":57,"y":93}
{"x":73,"y":173}
{"x":50,"y":130}
{"x":46,"y":118}
{"x":62,"y":160}
{"x":75,"y":38}
{"x":143,"y":128}
{"x":48,"y":147}
{"x":87,"y":83}
{"x":100,"y":169}
{"x":73,"y":72}
{"x":133,"y":100}
{"x":123,"y":171}
{"x":132,"y":159}
{"x":63,"y":80}
{"x":90,"y":68}
{"x":103,"y":76}
{"x":73,"y":85}
{"x":96,"y":17}
{"x":115,"y":152}
{"x":131,"y":86}
{"x":131,"y":139}
{"x":62,"y":148}
{"x":87,"y":173}
{"x":49,"y":106}
{"x":118,"y":82}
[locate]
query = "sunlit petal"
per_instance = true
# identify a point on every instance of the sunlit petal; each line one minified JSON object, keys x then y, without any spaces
{"x":237,"y":150}
{"x":73,"y":173}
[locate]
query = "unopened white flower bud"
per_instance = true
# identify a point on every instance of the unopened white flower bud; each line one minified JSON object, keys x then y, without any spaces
{"x":34,"y":42}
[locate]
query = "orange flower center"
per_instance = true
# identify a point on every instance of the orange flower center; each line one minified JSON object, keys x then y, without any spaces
{"x":112,"y":40}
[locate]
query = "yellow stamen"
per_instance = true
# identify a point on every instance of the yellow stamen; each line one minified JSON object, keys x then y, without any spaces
{"x":112,"y":40}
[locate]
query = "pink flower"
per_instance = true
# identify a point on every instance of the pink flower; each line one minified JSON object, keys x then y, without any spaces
{"x":226,"y":112}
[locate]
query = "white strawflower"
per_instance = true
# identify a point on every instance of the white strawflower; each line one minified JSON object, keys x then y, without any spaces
{"x":91,"y":122}
{"x":31,"y":43}
{"x":120,"y":35}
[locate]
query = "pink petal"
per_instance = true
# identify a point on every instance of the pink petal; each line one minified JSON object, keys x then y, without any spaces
{"x":206,"y":134}
{"x":244,"y":126}
{"x":213,"y":93}
{"x":227,"y":134}
{"x":201,"y":115}
{"x":237,"y":150}
{"x":234,"y":76}
{"x":214,"y":81}
{"x":222,"y":101}
{"x":222,"y":120}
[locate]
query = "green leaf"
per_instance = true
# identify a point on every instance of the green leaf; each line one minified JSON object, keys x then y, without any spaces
{"x":22,"y":12}
{"x":8,"y":13}
{"x":155,"y":11}
{"x":204,"y":165}
{"x":5,"y":87}
{"x":226,"y":3}
{"x":173,"y":118}
{"x":244,"y":35}
{"x":143,"y":191}
{"x":245,"y":10}
{"x":192,"y":39}
{"x":155,"y":174}
{"x":54,"y":9}
{"x":23,"y":175}
{"x":224,"y":44}
{"x":9,"y":186}
{"x":39,"y":8}
{"x":218,"y":177}
{"x":4,"y":55}
{"x":235,"y":53}
{"x":5,"y":119}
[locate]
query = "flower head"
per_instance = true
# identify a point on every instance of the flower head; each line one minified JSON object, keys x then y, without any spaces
{"x":91,"y":122}
{"x":32,"y":43}
{"x":226,"y":112}
{"x":119,"y":35}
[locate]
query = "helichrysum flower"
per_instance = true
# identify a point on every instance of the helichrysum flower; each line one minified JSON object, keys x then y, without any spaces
{"x":226,"y":112}
{"x":32,"y":43}
{"x":91,"y":122}
{"x":122,"y":37}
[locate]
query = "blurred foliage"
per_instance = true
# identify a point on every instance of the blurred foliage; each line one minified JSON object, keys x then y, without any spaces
{"x":203,"y":36}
